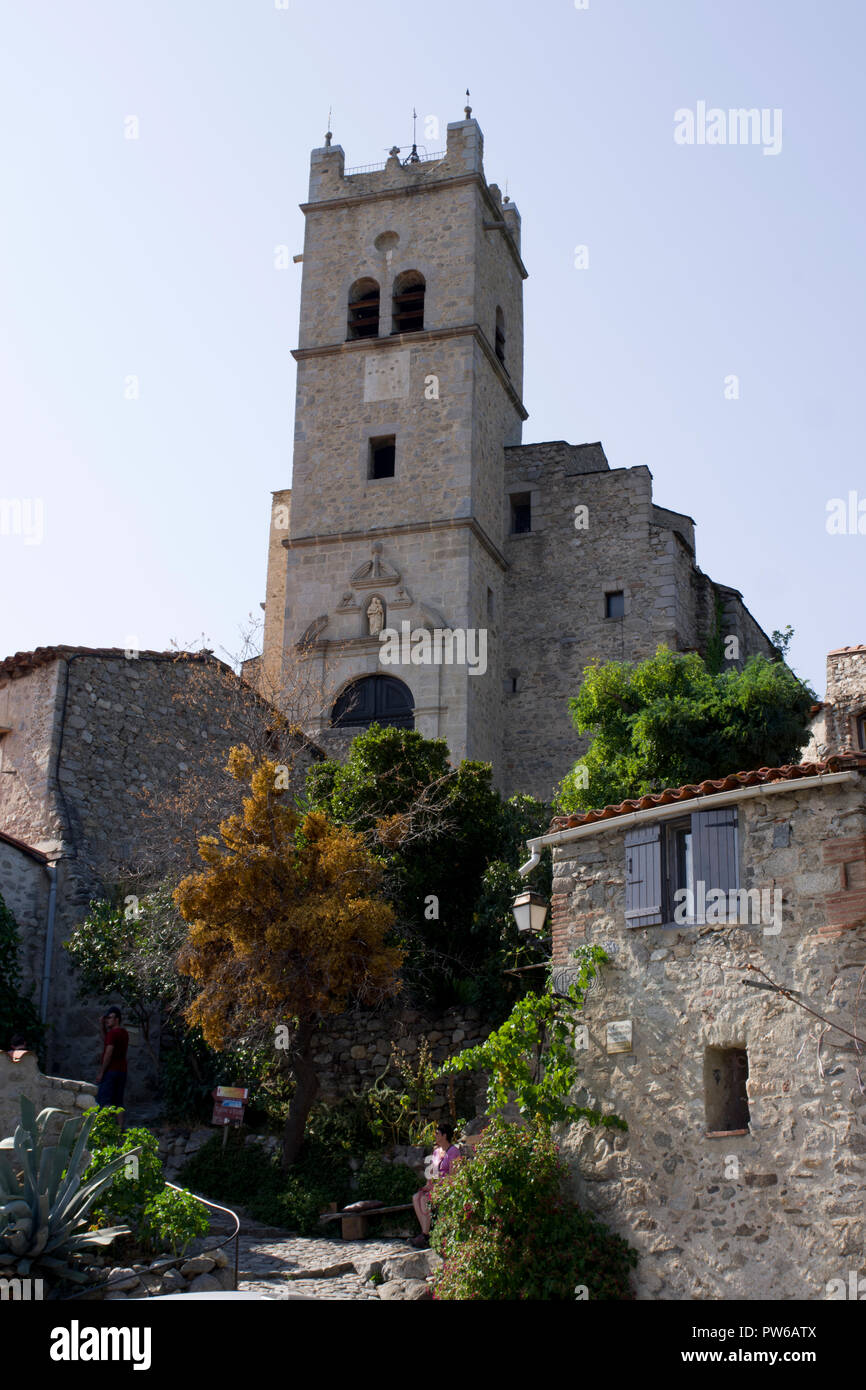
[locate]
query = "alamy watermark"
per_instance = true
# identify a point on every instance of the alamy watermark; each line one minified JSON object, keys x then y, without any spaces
{"x":711,"y":125}
{"x":23,"y":516}
{"x":741,"y":907}
{"x":459,"y":646}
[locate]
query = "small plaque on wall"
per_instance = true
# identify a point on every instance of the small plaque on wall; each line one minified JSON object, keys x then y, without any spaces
{"x":581,"y":1038}
{"x":619,"y":1036}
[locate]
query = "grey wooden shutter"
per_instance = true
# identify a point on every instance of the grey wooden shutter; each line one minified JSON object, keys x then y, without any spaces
{"x":643,"y":877}
{"x":714,"y":853}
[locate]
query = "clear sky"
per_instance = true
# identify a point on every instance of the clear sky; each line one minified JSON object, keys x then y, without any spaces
{"x":153,"y":258}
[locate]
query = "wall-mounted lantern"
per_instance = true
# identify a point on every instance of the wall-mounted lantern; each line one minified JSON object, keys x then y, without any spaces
{"x":530,"y":911}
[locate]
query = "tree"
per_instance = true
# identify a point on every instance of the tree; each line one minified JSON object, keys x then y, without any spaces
{"x":286,"y":926}
{"x":669,"y":721}
{"x":450,"y":848}
{"x":530,"y":1059}
{"x":18,"y":1013}
{"x":130,"y":950}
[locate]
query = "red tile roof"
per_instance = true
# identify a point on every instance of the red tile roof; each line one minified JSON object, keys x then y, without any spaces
{"x":25,"y":849}
{"x":22,"y":662}
{"x":837,"y":762}
{"x":839,"y":651}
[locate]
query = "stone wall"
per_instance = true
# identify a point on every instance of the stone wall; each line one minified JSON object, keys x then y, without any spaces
{"x":354,"y":1050}
{"x":554,"y":621}
{"x":101,"y":747}
{"x":775,"y":1212}
{"x":25,"y":1078}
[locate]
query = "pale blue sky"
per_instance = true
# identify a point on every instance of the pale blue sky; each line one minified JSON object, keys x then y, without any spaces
{"x":155,"y":258}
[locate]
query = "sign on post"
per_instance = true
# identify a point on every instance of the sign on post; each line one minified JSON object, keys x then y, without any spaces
{"x":229,"y":1105}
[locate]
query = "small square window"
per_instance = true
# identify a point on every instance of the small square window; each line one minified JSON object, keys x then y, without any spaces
{"x":861,"y":731}
{"x":383,"y":455}
{"x":726,"y":1071}
{"x":521,"y":513}
{"x":614,"y":604}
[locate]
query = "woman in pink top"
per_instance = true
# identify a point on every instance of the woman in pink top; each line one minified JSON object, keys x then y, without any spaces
{"x":444,"y":1155}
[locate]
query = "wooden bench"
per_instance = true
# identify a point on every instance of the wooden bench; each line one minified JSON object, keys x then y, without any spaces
{"x":354,"y":1223}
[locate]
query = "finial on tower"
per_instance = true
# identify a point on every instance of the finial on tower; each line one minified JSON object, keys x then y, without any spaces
{"x":414,"y":157}
{"x":467,"y":108}
{"x":328,"y":132}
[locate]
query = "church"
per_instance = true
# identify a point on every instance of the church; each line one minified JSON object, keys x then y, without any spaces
{"x":428,"y":568}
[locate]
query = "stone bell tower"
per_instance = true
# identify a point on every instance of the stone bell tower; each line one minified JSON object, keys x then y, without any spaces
{"x":410,"y":367}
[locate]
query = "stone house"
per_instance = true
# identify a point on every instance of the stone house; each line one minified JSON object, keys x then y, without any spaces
{"x":742,"y":1172}
{"x":839,"y":724}
{"x":95,"y":746}
{"x":415,"y":506}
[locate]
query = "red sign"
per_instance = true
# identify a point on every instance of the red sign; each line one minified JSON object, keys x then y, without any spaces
{"x":229,"y":1103}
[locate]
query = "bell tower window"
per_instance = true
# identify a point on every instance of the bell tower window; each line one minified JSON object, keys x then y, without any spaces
{"x":363,"y":321}
{"x":383,"y":455}
{"x":409,"y":302}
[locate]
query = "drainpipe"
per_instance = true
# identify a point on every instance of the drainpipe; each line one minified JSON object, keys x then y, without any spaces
{"x":530,"y":863}
{"x":51,"y":870}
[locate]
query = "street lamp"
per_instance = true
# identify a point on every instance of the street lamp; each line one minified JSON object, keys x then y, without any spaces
{"x":530,"y":911}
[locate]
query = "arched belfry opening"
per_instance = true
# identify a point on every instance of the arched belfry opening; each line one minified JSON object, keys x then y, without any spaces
{"x":363,"y":320}
{"x":383,"y":700}
{"x":408,"y":302}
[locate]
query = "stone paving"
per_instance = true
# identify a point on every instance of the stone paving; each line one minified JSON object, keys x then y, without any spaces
{"x":273,"y":1263}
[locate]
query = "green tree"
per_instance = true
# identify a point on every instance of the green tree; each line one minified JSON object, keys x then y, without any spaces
{"x":669,"y":721}
{"x":530,"y":1059}
{"x":450,"y":847}
{"x":18,"y":1013}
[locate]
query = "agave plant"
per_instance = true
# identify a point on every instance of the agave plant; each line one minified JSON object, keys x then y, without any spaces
{"x":43,"y":1208}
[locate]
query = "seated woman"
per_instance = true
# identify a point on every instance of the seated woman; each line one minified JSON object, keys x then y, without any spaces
{"x":445,"y":1153}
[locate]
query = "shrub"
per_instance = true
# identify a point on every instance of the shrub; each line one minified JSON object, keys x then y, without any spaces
{"x":138,"y":1180}
{"x":172,"y":1219}
{"x":392,"y":1183}
{"x":161,"y":1218}
{"x":506,"y":1229}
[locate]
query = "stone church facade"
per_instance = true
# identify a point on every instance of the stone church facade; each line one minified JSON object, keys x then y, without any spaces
{"x":415,"y":507}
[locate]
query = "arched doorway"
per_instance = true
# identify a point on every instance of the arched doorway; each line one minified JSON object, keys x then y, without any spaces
{"x":374,"y":700}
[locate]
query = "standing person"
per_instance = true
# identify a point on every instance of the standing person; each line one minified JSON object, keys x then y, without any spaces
{"x":112,"y":1073}
{"x":445,"y":1153}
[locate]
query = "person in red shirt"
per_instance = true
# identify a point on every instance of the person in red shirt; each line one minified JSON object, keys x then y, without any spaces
{"x":112,"y":1073}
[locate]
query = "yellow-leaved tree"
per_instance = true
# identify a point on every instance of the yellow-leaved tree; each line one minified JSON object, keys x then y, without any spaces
{"x":286,"y":926}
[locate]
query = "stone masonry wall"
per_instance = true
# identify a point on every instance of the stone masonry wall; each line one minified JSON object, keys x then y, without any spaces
{"x":554,"y":622}
{"x":354,"y":1050}
{"x":775,"y":1213}
{"x":25,"y":1078}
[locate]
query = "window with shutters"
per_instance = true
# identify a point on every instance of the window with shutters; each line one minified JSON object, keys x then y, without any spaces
{"x":677,"y":871}
{"x":726,"y":1072}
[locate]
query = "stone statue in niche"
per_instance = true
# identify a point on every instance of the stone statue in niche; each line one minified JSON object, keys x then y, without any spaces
{"x":375,"y":616}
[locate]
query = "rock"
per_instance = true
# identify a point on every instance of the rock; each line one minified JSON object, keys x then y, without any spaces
{"x":173,"y":1281}
{"x":121,"y":1279}
{"x":199,"y":1264}
{"x":416,"y":1290}
{"x":205,"y":1283}
{"x":392,"y":1290}
{"x":373,"y":1270}
{"x":220,"y":1258}
{"x":225,"y":1277}
{"x":327,"y":1272}
{"x":415,"y":1266}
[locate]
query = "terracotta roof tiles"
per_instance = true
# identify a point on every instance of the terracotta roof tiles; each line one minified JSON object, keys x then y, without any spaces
{"x":791,"y":772}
